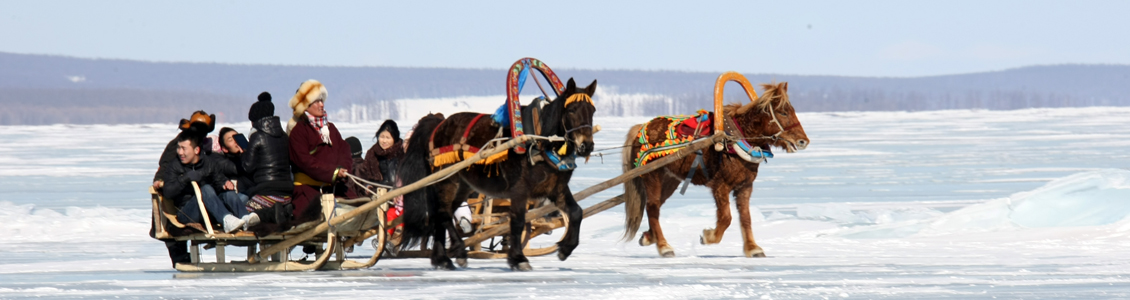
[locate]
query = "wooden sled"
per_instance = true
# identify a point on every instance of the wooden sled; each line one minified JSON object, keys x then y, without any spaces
{"x":330,"y":244}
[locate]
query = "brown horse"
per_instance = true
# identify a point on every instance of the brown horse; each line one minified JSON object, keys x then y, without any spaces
{"x":768,"y":121}
{"x":428,"y":212}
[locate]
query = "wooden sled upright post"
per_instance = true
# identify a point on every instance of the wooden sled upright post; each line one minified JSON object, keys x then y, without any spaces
{"x":203,"y":210}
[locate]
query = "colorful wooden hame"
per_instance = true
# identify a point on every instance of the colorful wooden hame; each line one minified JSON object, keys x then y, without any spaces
{"x":515,"y":80}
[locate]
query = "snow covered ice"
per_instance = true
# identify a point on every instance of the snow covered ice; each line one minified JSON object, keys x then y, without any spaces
{"x":941,"y":204}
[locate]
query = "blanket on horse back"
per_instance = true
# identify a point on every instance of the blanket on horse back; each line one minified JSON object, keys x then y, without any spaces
{"x":683,"y":130}
{"x":449,"y":154}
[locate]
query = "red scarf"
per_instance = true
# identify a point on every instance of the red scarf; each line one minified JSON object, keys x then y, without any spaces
{"x":319,"y":124}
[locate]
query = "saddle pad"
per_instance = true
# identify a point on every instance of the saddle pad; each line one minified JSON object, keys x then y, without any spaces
{"x":680,"y":131}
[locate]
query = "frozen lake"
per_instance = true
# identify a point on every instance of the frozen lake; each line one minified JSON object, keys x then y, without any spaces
{"x":941,"y":204}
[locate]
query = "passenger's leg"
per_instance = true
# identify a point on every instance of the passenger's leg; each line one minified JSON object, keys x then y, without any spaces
{"x":218,"y":210}
{"x":189,"y":212}
{"x":236,"y":203}
{"x":178,"y":252}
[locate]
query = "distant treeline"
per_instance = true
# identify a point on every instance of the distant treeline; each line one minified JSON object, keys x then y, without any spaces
{"x":37,"y":89}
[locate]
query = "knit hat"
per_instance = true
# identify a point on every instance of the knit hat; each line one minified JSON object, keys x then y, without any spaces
{"x":262,"y":108}
{"x":354,"y":146}
{"x":310,"y":91}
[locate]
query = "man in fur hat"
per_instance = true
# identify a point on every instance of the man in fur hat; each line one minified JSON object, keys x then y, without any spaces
{"x":320,"y":157}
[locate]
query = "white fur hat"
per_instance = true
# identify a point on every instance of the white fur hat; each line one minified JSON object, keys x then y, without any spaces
{"x":310,"y":91}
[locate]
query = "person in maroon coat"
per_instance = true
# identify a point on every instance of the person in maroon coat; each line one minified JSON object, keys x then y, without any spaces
{"x":320,"y":158}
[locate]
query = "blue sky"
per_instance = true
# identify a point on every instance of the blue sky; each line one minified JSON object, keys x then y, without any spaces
{"x":856,"y":38}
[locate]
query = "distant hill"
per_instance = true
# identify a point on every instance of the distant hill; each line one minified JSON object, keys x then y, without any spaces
{"x":39,"y":89}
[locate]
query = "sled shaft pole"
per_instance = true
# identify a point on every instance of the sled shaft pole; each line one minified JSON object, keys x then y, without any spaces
{"x":607,"y":204}
{"x":652,"y":166}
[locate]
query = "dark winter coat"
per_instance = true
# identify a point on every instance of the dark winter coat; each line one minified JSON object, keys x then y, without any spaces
{"x":380,"y":164}
{"x":241,"y":175}
{"x":314,"y":159}
{"x":169,"y":156}
{"x":267,"y":159}
{"x":178,"y":187}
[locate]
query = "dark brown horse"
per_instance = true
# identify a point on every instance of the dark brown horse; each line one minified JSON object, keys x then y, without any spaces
{"x":428,"y":212}
{"x":769,"y":121}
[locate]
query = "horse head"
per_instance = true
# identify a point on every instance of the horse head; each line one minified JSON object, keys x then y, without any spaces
{"x":773,"y":118}
{"x":575,"y":117}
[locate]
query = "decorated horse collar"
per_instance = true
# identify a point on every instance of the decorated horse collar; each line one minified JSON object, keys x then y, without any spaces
{"x":741,"y":147}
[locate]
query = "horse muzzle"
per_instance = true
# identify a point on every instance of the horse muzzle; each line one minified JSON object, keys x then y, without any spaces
{"x":792,"y":146}
{"x":584,"y":148}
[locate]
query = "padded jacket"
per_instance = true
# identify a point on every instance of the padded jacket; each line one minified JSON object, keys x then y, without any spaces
{"x":178,"y":187}
{"x":267,"y":159}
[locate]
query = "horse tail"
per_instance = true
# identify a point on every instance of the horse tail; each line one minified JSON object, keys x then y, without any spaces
{"x":420,"y":204}
{"x":634,"y":193}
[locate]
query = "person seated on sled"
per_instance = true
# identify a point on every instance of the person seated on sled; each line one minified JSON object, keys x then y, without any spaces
{"x":267,"y":162}
{"x":319,"y":157}
{"x":199,"y":122}
{"x":357,"y":154}
{"x":208,"y":173}
{"x":231,"y":149}
{"x":380,"y":161}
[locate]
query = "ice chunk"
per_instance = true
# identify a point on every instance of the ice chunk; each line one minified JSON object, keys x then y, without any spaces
{"x":1085,"y":199}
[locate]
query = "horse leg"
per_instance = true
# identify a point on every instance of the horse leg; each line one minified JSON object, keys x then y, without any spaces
{"x":515,"y":257}
{"x":441,"y":220}
{"x":647,"y":238}
{"x":750,"y":248}
{"x":656,"y":194}
{"x":439,"y":237}
{"x":722,"y":203}
{"x":567,"y":204}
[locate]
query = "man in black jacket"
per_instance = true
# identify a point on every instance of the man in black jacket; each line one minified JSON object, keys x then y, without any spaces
{"x":200,"y":123}
{"x":267,"y":163}
{"x":208,"y":173}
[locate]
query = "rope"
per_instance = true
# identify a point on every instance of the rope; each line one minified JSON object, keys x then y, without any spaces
{"x":362,"y":183}
{"x":362,"y":180}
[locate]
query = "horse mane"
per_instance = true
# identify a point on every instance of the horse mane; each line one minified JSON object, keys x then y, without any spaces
{"x":551,"y":116}
{"x":773,"y":93}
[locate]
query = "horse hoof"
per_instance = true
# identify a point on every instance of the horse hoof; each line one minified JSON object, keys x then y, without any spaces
{"x":707,"y":237}
{"x":445,"y":266}
{"x":666,"y":252}
{"x":645,"y":240}
{"x":522,"y":266}
{"x":755,"y":253}
{"x":562,"y":255}
{"x":462,"y":262}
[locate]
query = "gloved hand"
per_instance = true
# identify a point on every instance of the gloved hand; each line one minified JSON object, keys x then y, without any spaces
{"x":194,"y":175}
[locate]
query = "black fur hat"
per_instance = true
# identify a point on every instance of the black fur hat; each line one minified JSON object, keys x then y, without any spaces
{"x":262,"y":108}
{"x":355,"y":146}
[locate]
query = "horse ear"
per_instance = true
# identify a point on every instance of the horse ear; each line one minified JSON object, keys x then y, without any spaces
{"x":591,"y":89}
{"x":570,"y":86}
{"x":784,"y":87}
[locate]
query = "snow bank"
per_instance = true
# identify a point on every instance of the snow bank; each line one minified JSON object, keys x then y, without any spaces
{"x":25,"y":223}
{"x":1093,"y":198}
